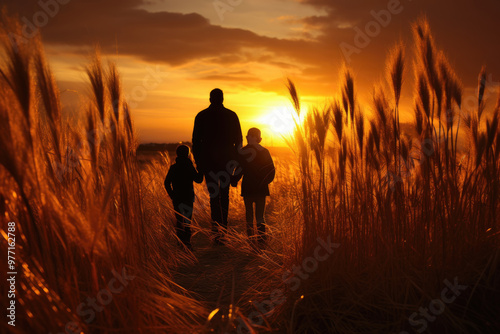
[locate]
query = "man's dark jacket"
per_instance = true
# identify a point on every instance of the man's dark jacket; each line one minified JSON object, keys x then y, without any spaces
{"x":179,"y":180}
{"x":257,"y":169}
{"x":216,"y":138}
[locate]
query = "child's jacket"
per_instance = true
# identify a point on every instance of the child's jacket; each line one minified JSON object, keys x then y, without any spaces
{"x":257,"y":169}
{"x":179,"y":180}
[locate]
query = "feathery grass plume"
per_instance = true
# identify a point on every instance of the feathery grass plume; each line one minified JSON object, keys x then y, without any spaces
{"x":381,"y":106}
{"x":449,"y":118}
{"x":452,"y":89}
{"x":114,"y":89}
{"x":457,"y":90}
{"x":453,"y":86}
{"x":129,"y":126}
{"x":49,"y":94}
{"x":96,"y":75}
{"x":426,"y":54}
{"x":467,"y":120}
{"x":370,"y":156}
{"x":10,"y":128}
{"x":112,"y":81}
{"x":481,"y":86}
{"x":431,"y":70}
{"x":396,"y":67}
{"x":17,"y":70}
{"x":294,"y":95}
{"x":348,"y":95}
{"x":360,"y":131}
{"x":375,"y":134}
{"x":421,"y":31}
{"x":423,"y":95}
{"x":321,"y":122}
{"x":426,"y":64}
{"x":405,"y":151}
{"x":345,"y":106}
{"x":298,"y":140}
{"x":338,"y":123}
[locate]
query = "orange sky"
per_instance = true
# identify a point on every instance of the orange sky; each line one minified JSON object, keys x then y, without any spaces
{"x":172,"y":53}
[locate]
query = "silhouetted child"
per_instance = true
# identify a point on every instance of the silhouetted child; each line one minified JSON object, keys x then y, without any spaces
{"x":179,"y":186}
{"x":257,"y":170}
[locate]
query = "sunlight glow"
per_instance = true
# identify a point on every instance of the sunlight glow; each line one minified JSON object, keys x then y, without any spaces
{"x":280,"y":120}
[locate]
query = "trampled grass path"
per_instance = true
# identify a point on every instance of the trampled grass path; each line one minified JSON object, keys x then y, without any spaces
{"x":221,"y":276}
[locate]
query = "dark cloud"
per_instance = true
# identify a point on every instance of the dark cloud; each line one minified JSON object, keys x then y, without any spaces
{"x":172,"y":38}
{"x":467,"y":30}
{"x":241,"y":76}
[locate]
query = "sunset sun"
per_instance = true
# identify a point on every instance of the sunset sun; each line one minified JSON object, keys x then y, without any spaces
{"x":280,"y":121}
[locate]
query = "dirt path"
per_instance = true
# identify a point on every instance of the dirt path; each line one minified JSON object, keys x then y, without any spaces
{"x":221,"y":274}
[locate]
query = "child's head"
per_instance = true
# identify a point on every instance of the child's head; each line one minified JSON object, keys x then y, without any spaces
{"x":254,"y":136}
{"x":182,"y":151}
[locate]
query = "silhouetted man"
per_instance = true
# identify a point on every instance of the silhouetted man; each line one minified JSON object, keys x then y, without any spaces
{"x":216,"y":140}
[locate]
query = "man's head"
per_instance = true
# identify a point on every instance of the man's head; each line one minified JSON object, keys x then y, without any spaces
{"x":182,"y":151}
{"x":254,"y":136}
{"x":216,"y":96}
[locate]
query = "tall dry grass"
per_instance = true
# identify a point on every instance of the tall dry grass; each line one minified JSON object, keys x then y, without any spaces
{"x":410,"y":206}
{"x":78,"y":199}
